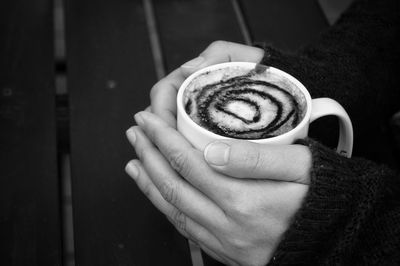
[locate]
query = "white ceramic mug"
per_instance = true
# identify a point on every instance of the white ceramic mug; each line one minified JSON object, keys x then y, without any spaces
{"x":316,"y":108}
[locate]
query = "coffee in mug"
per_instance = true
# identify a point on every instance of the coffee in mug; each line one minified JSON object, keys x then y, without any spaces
{"x":249,"y":101}
{"x":237,"y":103}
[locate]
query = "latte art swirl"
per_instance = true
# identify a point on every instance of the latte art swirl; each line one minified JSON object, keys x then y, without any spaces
{"x":245,"y":108}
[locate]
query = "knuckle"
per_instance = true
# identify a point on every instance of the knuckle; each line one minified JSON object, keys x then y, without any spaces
{"x":239,"y":244}
{"x":241,"y":208}
{"x":217,"y":45}
{"x":142,"y":153}
{"x":179,"y":161}
{"x":179,"y":220}
{"x":155,"y":136}
{"x":233,"y":196}
{"x":146,"y":189}
{"x":156,"y":89}
{"x":158,"y":137}
{"x":169,"y":192}
{"x":252,"y":160}
{"x":139,"y":152}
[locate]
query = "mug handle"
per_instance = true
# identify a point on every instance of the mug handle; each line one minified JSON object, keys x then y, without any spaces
{"x":326,"y":106}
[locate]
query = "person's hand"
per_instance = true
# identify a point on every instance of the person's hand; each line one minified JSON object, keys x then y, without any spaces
{"x":237,"y":220}
{"x":163,"y":93}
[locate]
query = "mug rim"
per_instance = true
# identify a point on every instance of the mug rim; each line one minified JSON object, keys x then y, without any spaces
{"x":249,"y":65}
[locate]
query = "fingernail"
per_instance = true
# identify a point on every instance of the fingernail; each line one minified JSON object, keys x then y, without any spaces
{"x":132,"y":170}
{"x":130,"y":133}
{"x":139,"y":119}
{"x":217,"y":153}
{"x":194,"y":62}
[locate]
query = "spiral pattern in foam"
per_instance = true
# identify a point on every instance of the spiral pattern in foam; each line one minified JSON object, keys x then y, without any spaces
{"x":244,"y":108}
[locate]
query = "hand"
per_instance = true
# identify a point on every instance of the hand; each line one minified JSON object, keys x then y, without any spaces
{"x":163,"y":93}
{"x":238,"y":221}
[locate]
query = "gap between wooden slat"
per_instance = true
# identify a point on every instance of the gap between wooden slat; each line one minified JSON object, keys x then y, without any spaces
{"x":68,"y":228}
{"x":242,"y":22}
{"x":64,"y":165}
{"x":154,"y":38}
{"x":333,"y":9}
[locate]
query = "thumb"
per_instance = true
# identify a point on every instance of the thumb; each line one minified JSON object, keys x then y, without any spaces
{"x":245,"y":159}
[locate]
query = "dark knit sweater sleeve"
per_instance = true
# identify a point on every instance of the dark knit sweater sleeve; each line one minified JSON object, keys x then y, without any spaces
{"x":351,"y":215}
{"x":355,"y":59}
{"x":355,"y":62}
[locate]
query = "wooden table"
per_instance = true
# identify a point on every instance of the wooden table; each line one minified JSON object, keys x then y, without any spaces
{"x":115,"y":51}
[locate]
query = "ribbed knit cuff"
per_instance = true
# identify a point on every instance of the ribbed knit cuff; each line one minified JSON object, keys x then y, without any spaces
{"x":276,"y":58}
{"x":295,"y":64}
{"x":341,"y":193}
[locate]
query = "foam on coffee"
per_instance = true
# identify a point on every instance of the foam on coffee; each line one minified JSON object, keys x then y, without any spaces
{"x":238,"y":103}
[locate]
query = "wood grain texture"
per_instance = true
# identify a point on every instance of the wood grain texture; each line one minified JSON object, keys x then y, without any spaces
{"x":29,"y":198}
{"x":110,"y":73}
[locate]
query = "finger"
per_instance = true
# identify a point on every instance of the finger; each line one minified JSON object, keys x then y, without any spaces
{"x":171,"y":186}
{"x":187,"y":161}
{"x":221,"y":52}
{"x":163,"y":96}
{"x":245,"y":159}
{"x":184,"y":224}
{"x":148,"y":109}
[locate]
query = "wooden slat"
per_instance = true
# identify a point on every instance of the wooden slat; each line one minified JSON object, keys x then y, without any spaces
{"x":29,"y":198}
{"x":186,"y":28}
{"x":110,"y":73}
{"x":286,"y":24}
